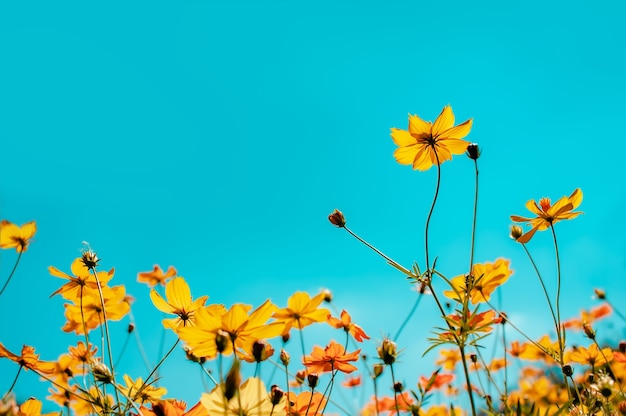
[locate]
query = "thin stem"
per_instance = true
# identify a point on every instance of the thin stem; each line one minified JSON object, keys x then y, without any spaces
{"x":467,"y":379}
{"x":380,"y":253}
{"x":19,"y":370}
{"x":106,"y":328}
{"x":408,"y":317}
{"x":395,"y":393}
{"x":154,"y":370}
{"x":474,"y":219}
{"x":430,"y":213}
{"x":617,"y":312}
{"x":19,"y":256}
{"x":560,"y":329}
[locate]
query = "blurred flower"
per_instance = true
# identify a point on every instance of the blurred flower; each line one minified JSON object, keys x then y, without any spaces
{"x":81,"y":278}
{"x":588,"y":317}
{"x":301,"y":311}
{"x":352,"y":382}
{"x":548,"y":214}
{"x":350,"y":327}
{"x":91,"y":316}
{"x":179,"y":302}
{"x":333,"y":357}
{"x":485,"y":278}
{"x":14,"y":236}
{"x":260,"y":352}
{"x":156,"y":276}
{"x":448,"y":359}
{"x":426,"y":144}
{"x":138,"y":391}
{"x":173,"y":408}
{"x":591,"y":356}
{"x":253,"y":399}
{"x":435,"y":381}
{"x":33,"y":407}
{"x":305,"y":403}
{"x":387,"y":351}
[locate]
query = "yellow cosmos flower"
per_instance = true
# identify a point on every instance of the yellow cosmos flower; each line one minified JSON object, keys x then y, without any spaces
{"x":115,"y":304}
{"x":485,"y":278}
{"x":253,"y":399}
{"x":179,"y":302}
{"x":548,"y":214}
{"x":301,"y":311}
{"x":28,"y":359}
{"x":426,"y":144}
{"x":14,"y":236}
{"x":156,"y":276}
{"x":32,"y":407}
{"x":591,"y":356}
{"x":80,"y":279}
{"x":140,"y":392}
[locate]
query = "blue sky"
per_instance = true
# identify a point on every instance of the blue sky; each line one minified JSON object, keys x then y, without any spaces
{"x":216,"y":136}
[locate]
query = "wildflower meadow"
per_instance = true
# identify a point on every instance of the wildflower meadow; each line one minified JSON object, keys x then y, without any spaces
{"x":238,"y":346}
{"x":270,"y":208}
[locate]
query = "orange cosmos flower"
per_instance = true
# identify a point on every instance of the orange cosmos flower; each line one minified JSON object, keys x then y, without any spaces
{"x":426,"y":144}
{"x":301,"y":311}
{"x":346,"y":323}
{"x":530,"y":351}
{"x":331,"y":358}
{"x":80,"y":279}
{"x":156,"y":276}
{"x":485,"y":278}
{"x":179,"y":302}
{"x":435,"y":381}
{"x":588,"y":317}
{"x":14,"y":236}
{"x":448,"y":359}
{"x":548,"y":214}
{"x":305,"y":403}
{"x":352,"y":382}
{"x":28,"y":359}
{"x":174,"y":408}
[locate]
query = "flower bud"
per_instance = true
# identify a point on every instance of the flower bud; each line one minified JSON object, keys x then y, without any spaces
{"x":300,"y":376}
{"x":568,"y":370}
{"x":473,"y":152}
{"x":312,"y":379}
{"x":622,"y":347}
{"x":328,"y":295}
{"x":261,"y":351}
{"x":516,"y":232}
{"x":591,"y":334}
{"x":131,"y":328}
{"x":102,"y":373}
{"x":473,"y":358}
{"x":622,"y":407}
{"x":378,"y":370}
{"x":233,"y":381}
{"x":285,"y":358}
{"x":600,"y":294}
{"x":276,"y":394}
{"x":398,"y":387}
{"x":89,"y":257}
{"x":221,"y":340}
{"x":336,"y":218}
{"x":387,"y":351}
{"x":285,"y":337}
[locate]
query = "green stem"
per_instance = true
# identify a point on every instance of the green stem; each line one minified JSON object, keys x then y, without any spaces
{"x":154,"y":370}
{"x":19,"y":370}
{"x":430,"y":213}
{"x":19,"y":256}
{"x":395,"y":393}
{"x":380,"y":253}
{"x":474,"y":219}
{"x":409,"y":316}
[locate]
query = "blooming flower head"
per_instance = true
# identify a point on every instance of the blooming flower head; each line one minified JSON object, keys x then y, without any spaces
{"x":331,"y":358}
{"x":350,"y":327}
{"x":28,"y":359}
{"x":156,"y":276}
{"x":426,"y":144}
{"x":589,"y":317}
{"x":591,"y":356}
{"x":548,"y":214}
{"x":301,"y":311}
{"x":174,"y":408}
{"x":485,"y":278}
{"x":80,"y":279}
{"x":141,"y":392}
{"x":14,"y":236}
{"x":435,"y":381}
{"x":86,"y":313}
{"x":179,"y":302}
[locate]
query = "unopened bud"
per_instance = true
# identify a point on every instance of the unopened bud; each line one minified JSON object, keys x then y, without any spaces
{"x":398,"y":387}
{"x":622,"y":347}
{"x":622,"y":407}
{"x":285,"y":358}
{"x":261,"y":351}
{"x":591,"y":334}
{"x":285,"y":337}
{"x":473,"y":358}
{"x":568,"y":370}
{"x":516,"y":232}
{"x":221,"y":340}
{"x":312,"y":379}
{"x":131,"y":328}
{"x":473,"y":152}
{"x":328,"y":295}
{"x":336,"y":218}
{"x":378,"y":370}
{"x":233,"y":381}
{"x":600,"y":294}
{"x":501,"y":319}
{"x":102,"y":373}
{"x":276,"y":394}
{"x":387,"y":351}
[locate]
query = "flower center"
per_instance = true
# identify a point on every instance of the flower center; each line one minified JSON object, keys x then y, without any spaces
{"x":545,"y":204}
